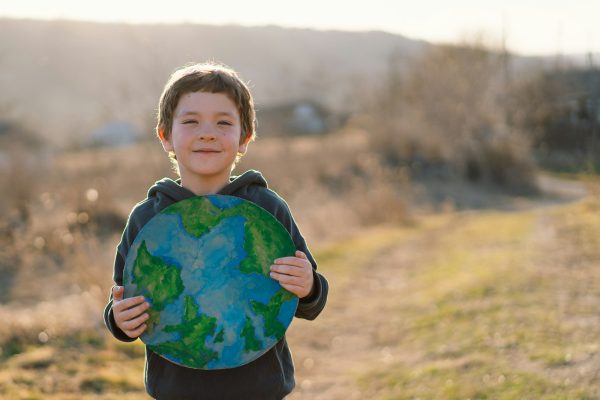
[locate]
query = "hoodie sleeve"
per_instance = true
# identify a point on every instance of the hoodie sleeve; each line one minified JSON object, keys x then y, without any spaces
{"x":309,"y":307}
{"x":130,"y":232}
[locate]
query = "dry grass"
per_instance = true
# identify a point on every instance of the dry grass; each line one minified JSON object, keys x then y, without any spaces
{"x":332,"y":182}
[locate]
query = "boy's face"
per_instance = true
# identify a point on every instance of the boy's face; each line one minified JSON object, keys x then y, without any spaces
{"x":205,"y":137}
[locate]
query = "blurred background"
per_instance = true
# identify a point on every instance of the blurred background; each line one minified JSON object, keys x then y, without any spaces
{"x":441,"y":161}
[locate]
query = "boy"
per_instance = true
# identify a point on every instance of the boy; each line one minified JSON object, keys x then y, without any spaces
{"x":206,"y":120}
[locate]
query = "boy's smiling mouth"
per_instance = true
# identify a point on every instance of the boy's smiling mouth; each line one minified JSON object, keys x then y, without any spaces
{"x":206,"y":151}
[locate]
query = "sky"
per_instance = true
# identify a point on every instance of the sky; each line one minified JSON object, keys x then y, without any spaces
{"x":530,"y":27}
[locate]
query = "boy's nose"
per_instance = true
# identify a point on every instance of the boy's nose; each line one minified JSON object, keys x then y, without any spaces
{"x":206,"y":132}
{"x":207,"y":136}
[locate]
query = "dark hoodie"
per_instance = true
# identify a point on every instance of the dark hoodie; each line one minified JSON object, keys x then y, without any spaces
{"x":271,"y":376}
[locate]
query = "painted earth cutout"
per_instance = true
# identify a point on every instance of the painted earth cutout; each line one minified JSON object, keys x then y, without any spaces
{"x":203,"y":264}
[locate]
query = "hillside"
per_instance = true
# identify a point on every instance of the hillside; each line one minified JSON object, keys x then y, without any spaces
{"x":65,"y":78}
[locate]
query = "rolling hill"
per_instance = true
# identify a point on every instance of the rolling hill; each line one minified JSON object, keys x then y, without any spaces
{"x":62,"y":79}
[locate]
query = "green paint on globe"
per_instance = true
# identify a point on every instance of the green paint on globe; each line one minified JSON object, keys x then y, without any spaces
{"x":270,"y":312}
{"x":161,"y":281}
{"x":220,"y":336}
{"x":203,"y":264}
{"x":251,"y":342}
{"x":194,"y":330}
{"x":258,"y":250}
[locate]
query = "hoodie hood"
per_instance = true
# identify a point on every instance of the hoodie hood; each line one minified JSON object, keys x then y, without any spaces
{"x":243,"y":182}
{"x":169,"y":191}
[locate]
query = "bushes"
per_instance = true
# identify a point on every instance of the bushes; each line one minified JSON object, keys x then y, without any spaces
{"x":447,"y":118}
{"x":561,"y":110}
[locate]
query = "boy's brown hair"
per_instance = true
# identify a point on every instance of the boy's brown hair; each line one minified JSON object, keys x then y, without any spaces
{"x":206,"y":77}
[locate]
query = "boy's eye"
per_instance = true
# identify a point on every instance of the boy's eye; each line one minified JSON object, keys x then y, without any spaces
{"x":224,"y":123}
{"x":191,"y":121}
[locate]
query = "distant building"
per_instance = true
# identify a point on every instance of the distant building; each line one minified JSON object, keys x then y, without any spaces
{"x":114,"y":134}
{"x":304,"y":117}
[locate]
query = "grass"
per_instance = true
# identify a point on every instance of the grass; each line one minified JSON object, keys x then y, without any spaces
{"x":349,"y":254}
{"x":352,"y":253}
{"x":470,"y":379}
{"x":489,"y":315}
{"x":88,"y":365}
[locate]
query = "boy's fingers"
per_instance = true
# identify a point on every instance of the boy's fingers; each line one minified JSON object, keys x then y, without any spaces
{"x":290,"y":261}
{"x":136,"y":333}
{"x":135,"y":323}
{"x":134,"y":312}
{"x":293,"y":270}
{"x":117,"y":293}
{"x":293,"y":288}
{"x":300,"y":254}
{"x":286,"y":269}
{"x":293,"y":261}
{"x":122,"y":305}
{"x":283,"y":278}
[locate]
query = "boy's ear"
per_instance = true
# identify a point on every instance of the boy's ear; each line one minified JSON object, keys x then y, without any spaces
{"x":166,"y":143}
{"x":243,"y":147}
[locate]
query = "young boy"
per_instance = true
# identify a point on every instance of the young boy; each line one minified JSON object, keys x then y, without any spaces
{"x":206,"y":121}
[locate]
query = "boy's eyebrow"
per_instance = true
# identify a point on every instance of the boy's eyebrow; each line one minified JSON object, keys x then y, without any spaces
{"x":186,"y":113}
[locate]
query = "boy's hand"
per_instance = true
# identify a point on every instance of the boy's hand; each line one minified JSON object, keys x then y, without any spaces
{"x":294,"y":274}
{"x":129,"y":313}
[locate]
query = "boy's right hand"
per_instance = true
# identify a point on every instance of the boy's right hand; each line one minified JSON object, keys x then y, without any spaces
{"x":129,"y":313}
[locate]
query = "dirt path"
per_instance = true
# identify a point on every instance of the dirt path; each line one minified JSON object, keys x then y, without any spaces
{"x":567,"y":254}
{"x":352,"y":333}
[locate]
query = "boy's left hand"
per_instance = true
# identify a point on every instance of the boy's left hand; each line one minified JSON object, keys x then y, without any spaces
{"x":294,"y":274}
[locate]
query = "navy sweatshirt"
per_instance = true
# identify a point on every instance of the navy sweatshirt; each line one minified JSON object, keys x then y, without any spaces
{"x":271,"y":376}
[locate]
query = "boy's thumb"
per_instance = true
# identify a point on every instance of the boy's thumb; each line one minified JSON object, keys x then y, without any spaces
{"x":300,"y":254}
{"x":118,"y":292}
